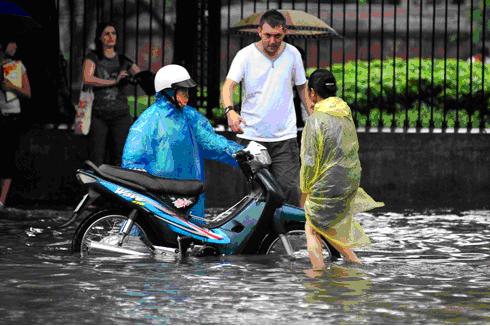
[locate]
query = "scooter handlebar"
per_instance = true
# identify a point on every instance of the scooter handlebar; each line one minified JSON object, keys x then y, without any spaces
{"x":242,"y":156}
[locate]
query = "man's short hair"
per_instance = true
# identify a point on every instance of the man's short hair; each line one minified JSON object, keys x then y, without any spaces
{"x":274,"y":18}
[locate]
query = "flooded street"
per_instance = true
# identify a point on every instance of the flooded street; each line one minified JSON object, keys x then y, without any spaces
{"x":429,"y":268}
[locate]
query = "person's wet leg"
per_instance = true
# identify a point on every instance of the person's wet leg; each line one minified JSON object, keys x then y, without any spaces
{"x":348,"y":254}
{"x":5,"y":186}
{"x":314,"y":247}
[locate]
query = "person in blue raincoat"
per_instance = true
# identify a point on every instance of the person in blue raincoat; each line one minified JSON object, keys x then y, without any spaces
{"x":171,"y":139}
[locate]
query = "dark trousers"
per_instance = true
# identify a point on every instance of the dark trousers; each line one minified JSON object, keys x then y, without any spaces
{"x":285,"y":166}
{"x":108,"y":130}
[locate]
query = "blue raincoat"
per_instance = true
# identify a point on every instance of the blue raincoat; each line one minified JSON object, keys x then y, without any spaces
{"x":172,"y":143}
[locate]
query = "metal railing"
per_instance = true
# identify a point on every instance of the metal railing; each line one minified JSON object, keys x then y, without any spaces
{"x":401,"y":65}
{"x":144,"y":29}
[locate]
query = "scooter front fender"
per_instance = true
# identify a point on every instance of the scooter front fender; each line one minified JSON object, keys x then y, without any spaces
{"x":287,"y":214}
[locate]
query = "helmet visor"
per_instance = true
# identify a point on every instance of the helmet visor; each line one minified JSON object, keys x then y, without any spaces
{"x":188,"y":83}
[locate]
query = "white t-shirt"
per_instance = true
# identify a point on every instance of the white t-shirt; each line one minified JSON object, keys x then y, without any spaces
{"x":267,"y":105}
{"x":13,"y":106}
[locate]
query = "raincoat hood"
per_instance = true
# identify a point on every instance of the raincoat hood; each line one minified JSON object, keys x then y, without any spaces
{"x":334,"y":106}
{"x":172,"y":143}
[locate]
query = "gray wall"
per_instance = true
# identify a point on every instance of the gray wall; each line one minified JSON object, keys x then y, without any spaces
{"x":406,"y":171}
{"x":427,"y":170}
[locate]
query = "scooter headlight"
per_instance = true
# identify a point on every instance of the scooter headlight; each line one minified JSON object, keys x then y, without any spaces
{"x":261,"y":156}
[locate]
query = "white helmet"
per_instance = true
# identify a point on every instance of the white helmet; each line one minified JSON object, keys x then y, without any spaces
{"x":173,"y":76}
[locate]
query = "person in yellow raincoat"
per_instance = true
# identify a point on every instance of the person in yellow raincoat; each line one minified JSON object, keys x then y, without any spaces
{"x":331,"y":173}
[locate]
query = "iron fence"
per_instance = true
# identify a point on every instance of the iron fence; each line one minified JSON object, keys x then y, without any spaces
{"x":401,"y":65}
{"x":145,"y":35}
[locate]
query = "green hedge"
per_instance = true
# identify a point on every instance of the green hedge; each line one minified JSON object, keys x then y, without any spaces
{"x":381,"y":90}
{"x":388,"y":97}
{"x":143,"y":102}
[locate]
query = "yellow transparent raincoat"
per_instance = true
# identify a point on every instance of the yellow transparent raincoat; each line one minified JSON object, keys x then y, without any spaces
{"x":331,"y":173}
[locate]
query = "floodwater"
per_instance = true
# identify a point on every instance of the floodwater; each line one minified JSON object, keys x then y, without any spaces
{"x":431,"y":268}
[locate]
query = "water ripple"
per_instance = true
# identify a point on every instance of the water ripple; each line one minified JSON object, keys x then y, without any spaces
{"x":429,"y":268}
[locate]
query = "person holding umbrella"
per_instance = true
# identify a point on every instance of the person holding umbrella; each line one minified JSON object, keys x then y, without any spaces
{"x":14,"y":85}
{"x":269,"y":69}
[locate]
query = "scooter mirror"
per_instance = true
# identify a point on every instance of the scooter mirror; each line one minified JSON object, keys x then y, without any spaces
{"x":145,"y":80}
{"x":255,"y":148}
{"x":242,"y":156}
{"x":260,"y":155}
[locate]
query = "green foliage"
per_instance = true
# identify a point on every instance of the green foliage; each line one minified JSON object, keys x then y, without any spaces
{"x":384,"y":90}
{"x":478,"y":20}
{"x":398,"y":93}
{"x":142,"y":103}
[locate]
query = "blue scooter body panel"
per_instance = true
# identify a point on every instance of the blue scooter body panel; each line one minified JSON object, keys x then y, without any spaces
{"x":231,"y":237}
{"x":241,"y":227}
{"x":176,"y":223}
{"x":291,"y":213}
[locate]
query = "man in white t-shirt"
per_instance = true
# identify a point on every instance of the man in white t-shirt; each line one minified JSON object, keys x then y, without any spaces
{"x":268,"y":71}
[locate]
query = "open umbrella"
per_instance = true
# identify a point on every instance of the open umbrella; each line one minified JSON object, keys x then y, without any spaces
{"x":299,"y":23}
{"x":14,"y":20}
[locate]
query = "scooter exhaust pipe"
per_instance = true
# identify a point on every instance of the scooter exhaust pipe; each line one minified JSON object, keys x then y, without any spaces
{"x":119,"y":250}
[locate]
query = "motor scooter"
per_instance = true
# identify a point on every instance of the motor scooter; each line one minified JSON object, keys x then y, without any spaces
{"x":140,"y":214}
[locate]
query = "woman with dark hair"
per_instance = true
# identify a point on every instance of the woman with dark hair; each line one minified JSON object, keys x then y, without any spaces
{"x":14,"y":84}
{"x":105,"y":70}
{"x":331,"y":173}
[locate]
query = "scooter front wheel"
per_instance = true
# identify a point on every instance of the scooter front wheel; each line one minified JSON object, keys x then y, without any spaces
{"x":100,"y":234}
{"x":296,"y":236}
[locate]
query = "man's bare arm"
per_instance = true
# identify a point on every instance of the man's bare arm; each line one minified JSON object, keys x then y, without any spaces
{"x":305,"y":99}
{"x":234,"y":119}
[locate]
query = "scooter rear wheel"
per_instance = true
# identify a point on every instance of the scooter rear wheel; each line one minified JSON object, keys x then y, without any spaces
{"x":297,"y":238}
{"x":99,"y":234}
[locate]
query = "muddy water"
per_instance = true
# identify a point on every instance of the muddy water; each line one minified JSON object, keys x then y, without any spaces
{"x":422,"y":268}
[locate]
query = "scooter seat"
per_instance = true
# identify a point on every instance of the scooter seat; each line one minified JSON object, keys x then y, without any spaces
{"x":152,"y":183}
